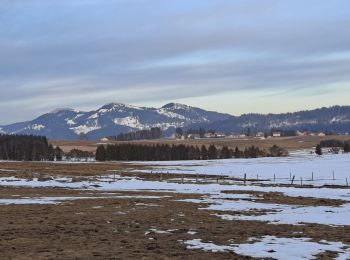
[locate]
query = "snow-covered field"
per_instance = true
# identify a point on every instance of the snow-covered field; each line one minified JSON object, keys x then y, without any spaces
{"x":306,"y":168}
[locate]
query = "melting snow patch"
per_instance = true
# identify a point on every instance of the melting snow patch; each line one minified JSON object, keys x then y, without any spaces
{"x":191,"y":232}
{"x":318,"y":215}
{"x":97,"y":207}
{"x":278,"y":213}
{"x":157,"y":231}
{"x":147,"y":204}
{"x":277,"y":248}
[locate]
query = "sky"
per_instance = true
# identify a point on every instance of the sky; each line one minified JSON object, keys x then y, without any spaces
{"x":228,"y":56}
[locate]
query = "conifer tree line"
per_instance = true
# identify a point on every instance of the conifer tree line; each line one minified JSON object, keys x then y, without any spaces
{"x":149,"y":134}
{"x":165,"y":152}
{"x":334,"y":145}
{"x":78,"y":154}
{"x":28,"y":148}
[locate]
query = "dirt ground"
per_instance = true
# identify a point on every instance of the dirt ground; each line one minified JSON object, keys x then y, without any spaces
{"x":289,"y":143}
{"x":122,"y":228}
{"x":108,"y":225}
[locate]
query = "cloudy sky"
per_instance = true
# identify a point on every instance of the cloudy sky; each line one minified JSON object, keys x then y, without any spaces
{"x":230,"y":56}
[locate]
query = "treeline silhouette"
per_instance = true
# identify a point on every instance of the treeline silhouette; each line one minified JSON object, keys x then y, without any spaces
{"x":28,"y":148}
{"x":165,"y":152}
{"x":147,"y":134}
{"x":334,"y":145}
{"x":78,"y":154}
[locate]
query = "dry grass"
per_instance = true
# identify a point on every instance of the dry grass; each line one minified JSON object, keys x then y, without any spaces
{"x":289,"y":143}
{"x":117,"y":228}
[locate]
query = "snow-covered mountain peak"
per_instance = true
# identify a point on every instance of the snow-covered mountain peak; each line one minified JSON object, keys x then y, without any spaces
{"x":176,"y":106}
{"x":121,"y":107}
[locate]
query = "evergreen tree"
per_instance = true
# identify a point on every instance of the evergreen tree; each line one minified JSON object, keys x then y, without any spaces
{"x":347,"y":147}
{"x":51,"y":153}
{"x":58,"y":153}
{"x":204,"y":153}
{"x":101,"y":153}
{"x":237,"y":153}
{"x":225,"y":153}
{"x":178,"y":132}
{"x":110,"y":153}
{"x":212,"y":152}
{"x":318,"y":150}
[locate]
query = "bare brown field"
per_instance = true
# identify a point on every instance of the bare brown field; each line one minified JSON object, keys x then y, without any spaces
{"x":112,"y":228}
{"x":123,"y":225}
{"x":289,"y":143}
{"x":28,"y":169}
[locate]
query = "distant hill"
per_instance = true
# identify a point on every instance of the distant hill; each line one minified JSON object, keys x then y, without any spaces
{"x":334,"y":119}
{"x":115,"y":118}
{"x":112,"y":119}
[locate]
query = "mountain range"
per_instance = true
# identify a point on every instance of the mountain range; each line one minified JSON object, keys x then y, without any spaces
{"x":112,"y":119}
{"x":115,"y":118}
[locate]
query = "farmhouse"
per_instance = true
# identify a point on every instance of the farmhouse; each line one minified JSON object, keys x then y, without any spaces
{"x":276,"y":134}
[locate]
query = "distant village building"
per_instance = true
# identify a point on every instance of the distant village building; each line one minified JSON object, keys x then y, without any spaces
{"x":193,"y":136}
{"x":237,"y":136}
{"x":300,"y":133}
{"x":276,"y":134}
{"x":214,"y":135}
{"x":220,"y":135}
{"x":260,"y":134}
{"x":104,"y":139}
{"x":208,"y":135}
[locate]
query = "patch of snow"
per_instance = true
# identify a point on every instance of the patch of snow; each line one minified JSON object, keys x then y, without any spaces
{"x":170,"y":114}
{"x":70,"y":121}
{"x":91,"y":126}
{"x":58,"y":200}
{"x":128,"y":121}
{"x":339,"y":119}
{"x":93,"y":116}
{"x":37,"y":127}
{"x":284,"y":214}
{"x":133,"y":122}
{"x":276,"y":248}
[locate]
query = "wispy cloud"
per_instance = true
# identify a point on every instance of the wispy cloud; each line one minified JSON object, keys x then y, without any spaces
{"x":88,"y":52}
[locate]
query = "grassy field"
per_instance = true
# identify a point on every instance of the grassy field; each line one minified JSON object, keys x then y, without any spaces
{"x":289,"y":143}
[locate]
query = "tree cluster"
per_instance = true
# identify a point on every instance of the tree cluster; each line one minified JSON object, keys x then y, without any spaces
{"x":334,"y":145}
{"x":165,"y":152}
{"x":79,"y":154}
{"x":27,"y":148}
{"x":148,"y":134}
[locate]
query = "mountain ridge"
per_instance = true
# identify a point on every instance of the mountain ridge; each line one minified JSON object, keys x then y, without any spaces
{"x":114,"y":118}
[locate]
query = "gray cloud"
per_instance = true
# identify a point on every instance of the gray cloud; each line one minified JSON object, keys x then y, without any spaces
{"x":84,"y":53}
